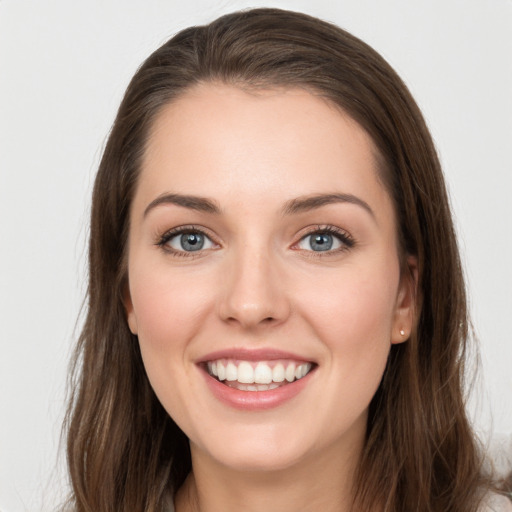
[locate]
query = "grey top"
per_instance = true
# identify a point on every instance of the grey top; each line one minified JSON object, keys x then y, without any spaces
{"x":495,"y":503}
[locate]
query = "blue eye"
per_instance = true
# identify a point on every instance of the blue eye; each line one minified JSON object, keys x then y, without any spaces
{"x":322,"y":241}
{"x":189,"y":241}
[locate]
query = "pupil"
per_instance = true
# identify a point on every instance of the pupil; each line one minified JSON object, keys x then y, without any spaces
{"x":192,"y":241}
{"x":321,"y":242}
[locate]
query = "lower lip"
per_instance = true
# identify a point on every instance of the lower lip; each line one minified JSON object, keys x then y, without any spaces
{"x":255,"y":400}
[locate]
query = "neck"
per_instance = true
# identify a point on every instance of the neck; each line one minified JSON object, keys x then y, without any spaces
{"x":321,"y":483}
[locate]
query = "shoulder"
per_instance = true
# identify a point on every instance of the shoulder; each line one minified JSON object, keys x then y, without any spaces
{"x":496,"y":503}
{"x":169,"y":503}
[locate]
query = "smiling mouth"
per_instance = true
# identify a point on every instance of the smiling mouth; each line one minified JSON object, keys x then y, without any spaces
{"x":257,"y":375}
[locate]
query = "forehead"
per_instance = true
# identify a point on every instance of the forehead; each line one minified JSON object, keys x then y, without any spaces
{"x":224,"y":141}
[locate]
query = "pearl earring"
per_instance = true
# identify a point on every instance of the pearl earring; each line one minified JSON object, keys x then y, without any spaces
{"x":402,"y":332}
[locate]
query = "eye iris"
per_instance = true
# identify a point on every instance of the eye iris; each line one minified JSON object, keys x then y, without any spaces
{"x":192,"y":241}
{"x":321,"y":242}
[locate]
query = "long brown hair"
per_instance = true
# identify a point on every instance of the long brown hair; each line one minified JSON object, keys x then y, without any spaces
{"x":124,"y":451}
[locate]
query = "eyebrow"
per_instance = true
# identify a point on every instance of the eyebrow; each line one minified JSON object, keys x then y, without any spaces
{"x":294,"y":206}
{"x":307,"y":203}
{"x":200,"y":204}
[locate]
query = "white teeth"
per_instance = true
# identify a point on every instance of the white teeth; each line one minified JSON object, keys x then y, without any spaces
{"x":231,"y":372}
{"x":305,"y":369}
{"x":302,"y":370}
{"x":290,"y":372}
{"x":263,"y":375}
{"x":221,"y":371}
{"x":278,"y":373}
{"x":253,"y":387}
{"x":245,"y":373}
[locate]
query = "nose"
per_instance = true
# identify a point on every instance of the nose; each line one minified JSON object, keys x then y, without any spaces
{"x":253,"y":291}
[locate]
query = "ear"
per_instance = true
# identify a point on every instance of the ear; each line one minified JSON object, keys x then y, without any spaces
{"x":406,"y":301}
{"x":128,"y":307}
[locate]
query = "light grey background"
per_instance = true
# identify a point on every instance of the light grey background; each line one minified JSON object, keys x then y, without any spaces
{"x":63,"y":68}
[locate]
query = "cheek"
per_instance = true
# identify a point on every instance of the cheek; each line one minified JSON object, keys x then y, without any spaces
{"x":351,"y":301}
{"x":169,"y":309}
{"x":352,"y":313}
{"x":352,"y":317}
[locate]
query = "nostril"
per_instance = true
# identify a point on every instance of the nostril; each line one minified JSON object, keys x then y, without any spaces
{"x":263,"y":321}
{"x":249,"y":312}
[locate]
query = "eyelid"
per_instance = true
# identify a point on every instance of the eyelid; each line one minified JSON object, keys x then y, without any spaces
{"x":162,"y":240}
{"x":342,"y":235}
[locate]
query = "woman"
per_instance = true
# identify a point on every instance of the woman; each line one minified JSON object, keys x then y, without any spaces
{"x":277,"y":316}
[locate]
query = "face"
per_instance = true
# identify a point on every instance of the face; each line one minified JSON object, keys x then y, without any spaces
{"x":264,"y":276}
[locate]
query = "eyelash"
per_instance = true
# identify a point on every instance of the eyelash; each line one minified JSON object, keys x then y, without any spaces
{"x":344,"y":238}
{"x":169,"y":235}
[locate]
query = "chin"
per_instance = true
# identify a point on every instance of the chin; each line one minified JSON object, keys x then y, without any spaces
{"x":257,"y":452}
{"x":259,"y":462}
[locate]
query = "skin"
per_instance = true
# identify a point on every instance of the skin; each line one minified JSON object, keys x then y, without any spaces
{"x":258,"y":284}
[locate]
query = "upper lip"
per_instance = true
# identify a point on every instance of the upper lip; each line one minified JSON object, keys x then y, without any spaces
{"x":246,"y":354}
